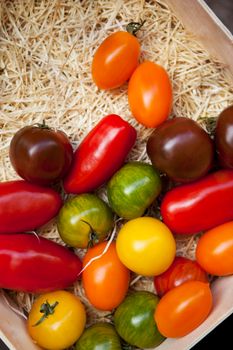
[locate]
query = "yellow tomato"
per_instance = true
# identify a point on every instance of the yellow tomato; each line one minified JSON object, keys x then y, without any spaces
{"x":56,"y":320}
{"x":146,"y":246}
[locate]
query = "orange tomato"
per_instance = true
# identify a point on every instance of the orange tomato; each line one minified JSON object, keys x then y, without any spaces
{"x":150,"y":94}
{"x":215,"y":250}
{"x":183,"y":309}
{"x":106,"y":279}
{"x":115,"y":60}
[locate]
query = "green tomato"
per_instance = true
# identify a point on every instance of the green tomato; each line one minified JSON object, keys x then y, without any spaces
{"x":133,"y":188}
{"x":84,"y":220}
{"x":134,"y":320}
{"x":100,"y":336}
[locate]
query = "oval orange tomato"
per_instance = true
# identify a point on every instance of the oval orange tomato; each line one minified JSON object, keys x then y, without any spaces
{"x":106,"y":279}
{"x":215,"y":250}
{"x":115,"y":60}
{"x":183,"y":309}
{"x":150,"y":94}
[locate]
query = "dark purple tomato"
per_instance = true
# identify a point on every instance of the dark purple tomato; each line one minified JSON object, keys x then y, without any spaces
{"x":181,"y":149}
{"x":224,"y":138}
{"x":41,"y":155}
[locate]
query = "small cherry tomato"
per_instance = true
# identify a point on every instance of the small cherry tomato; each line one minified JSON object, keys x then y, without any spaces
{"x":116,"y":58}
{"x":183,"y":309}
{"x":41,"y":155}
{"x":106,"y":279}
{"x":150,"y":94}
{"x":146,"y":246}
{"x":180,"y":271}
{"x":56,"y":320}
{"x":215,"y":250}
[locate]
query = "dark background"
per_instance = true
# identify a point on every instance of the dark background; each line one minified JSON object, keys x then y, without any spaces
{"x":223,"y":333}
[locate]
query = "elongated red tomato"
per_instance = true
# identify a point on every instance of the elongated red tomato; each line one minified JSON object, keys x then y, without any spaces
{"x":215,"y":250}
{"x":25,"y":207}
{"x":35,"y":264}
{"x":150,"y":94}
{"x":183,"y":309}
{"x":180,"y":271}
{"x":100,"y":155}
{"x":115,"y":60}
{"x":106,"y":279}
{"x":201,"y":205}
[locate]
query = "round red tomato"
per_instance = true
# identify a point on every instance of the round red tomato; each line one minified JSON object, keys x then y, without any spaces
{"x":106,"y":279}
{"x":150,"y":94}
{"x":115,"y":60}
{"x":215,"y":250}
{"x":180,"y":271}
{"x":183,"y":309}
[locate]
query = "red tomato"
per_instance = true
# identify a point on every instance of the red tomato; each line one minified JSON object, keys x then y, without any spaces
{"x":180,"y":271}
{"x":150,"y":94}
{"x":215,"y":250}
{"x":25,"y":206}
{"x":115,"y":60}
{"x":183,"y":309}
{"x":106,"y":279}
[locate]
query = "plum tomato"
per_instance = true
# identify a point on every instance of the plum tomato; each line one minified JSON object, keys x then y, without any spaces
{"x":146,"y":246}
{"x":84,"y":220}
{"x":40,"y":155}
{"x":181,"y":149}
{"x":150,"y":94}
{"x":56,"y":320}
{"x":224,"y":138}
{"x":183,"y":309}
{"x":100,"y":336}
{"x":105,"y":279}
{"x":134,"y":320}
{"x":215,"y":250}
{"x":180,"y":271}
{"x":133,"y":188}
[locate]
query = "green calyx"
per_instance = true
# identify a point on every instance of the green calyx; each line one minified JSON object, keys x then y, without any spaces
{"x":46,"y":309}
{"x":134,"y":27}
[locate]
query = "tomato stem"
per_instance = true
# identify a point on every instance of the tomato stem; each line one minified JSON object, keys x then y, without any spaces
{"x":134,"y":27}
{"x":46,"y":309}
{"x":93,"y":237}
{"x":43,"y":125}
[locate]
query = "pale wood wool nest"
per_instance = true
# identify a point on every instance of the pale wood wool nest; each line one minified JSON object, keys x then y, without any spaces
{"x":46,"y":50}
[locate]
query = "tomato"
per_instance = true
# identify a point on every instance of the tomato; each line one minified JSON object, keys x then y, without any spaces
{"x":116,"y":58}
{"x":41,"y":155}
{"x":215,"y":250}
{"x":25,"y":206}
{"x":35,"y":264}
{"x":180,"y":271}
{"x":99,"y":336}
{"x":133,"y":188}
{"x":224,"y":137}
{"x":150,"y":94}
{"x":84,"y":219}
{"x":100,"y":154}
{"x":183,"y":309}
{"x":134,"y":320}
{"x":182,"y":149}
{"x":201,"y":205}
{"x":106,"y":279}
{"x":56,"y":320}
{"x":146,"y":246}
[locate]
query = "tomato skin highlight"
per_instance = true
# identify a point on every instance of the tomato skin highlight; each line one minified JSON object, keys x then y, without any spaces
{"x":105,"y":280}
{"x":100,"y":155}
{"x":40,"y":155}
{"x":35,"y":264}
{"x":25,"y":206}
{"x":62,"y":328}
{"x":215,"y":250}
{"x":115,"y":60}
{"x":201,"y":205}
{"x":180,"y":271}
{"x":183,"y":309}
{"x":150,"y":94}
